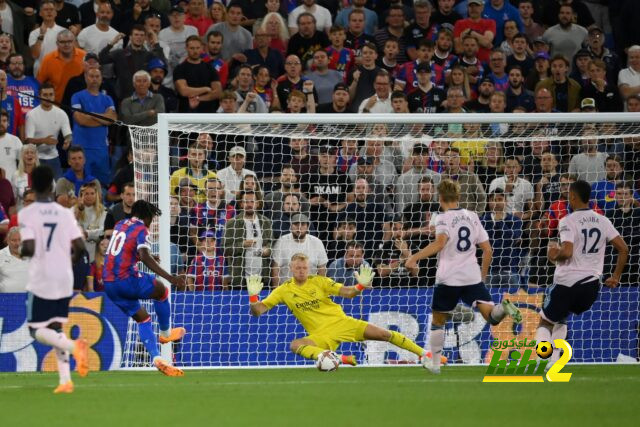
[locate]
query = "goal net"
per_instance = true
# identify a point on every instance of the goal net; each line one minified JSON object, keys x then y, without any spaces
{"x":241,"y":193}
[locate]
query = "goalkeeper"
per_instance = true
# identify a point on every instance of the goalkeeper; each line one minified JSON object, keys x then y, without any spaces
{"x":308,"y":298}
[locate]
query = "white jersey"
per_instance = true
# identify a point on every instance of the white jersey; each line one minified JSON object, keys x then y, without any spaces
{"x":53,"y":228}
{"x":589,"y":232}
{"x":457,"y":262}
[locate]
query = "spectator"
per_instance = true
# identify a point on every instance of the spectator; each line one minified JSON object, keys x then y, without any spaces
{"x":339,"y":101}
{"x":297,"y":241}
{"x":481,"y":103}
{"x":15,"y":22}
{"x":406,"y":187}
{"x":321,"y":15}
{"x":263,"y":55}
{"x":91,"y":214}
{"x":8,"y":200}
{"x":21,"y":178}
{"x":60,"y":66}
{"x":469,"y":60}
{"x":380,"y":101}
{"x":11,"y":147}
{"x":158,"y":70}
{"x":68,"y":16}
{"x":362,"y":78}
{"x":43,"y":126}
{"x":370,"y":17}
{"x":518,"y":191}
{"x":289,"y":207}
{"x":88,"y":12}
{"x":121,"y":210}
{"x":356,"y":38}
{"x":544,"y":101}
{"x":394,"y":29}
{"x":406,"y":75}
{"x":208,"y":270}
{"x":564,"y":90}
{"x":590,"y":164}
{"x":75,"y":177}
{"x":390,"y":257}
{"x":218,"y":11}
{"x":198,"y":17}
{"x":90,"y":131}
{"x":605,"y":95}
{"x":6,"y":49}
{"x":417,"y":216}
{"x":4,"y":221}
{"x":235,"y":173}
{"x":197,"y":171}
{"x":275,"y":26}
{"x":626,"y":218}
{"x":581,"y":13}
{"x":197,"y":84}
{"x":497,"y":65}
{"x":214,"y":46}
{"x":152,"y":27}
{"x":78,"y":82}
{"x":236,"y":38}
{"x":458,"y":78}
{"x":141,"y":11}
{"x":11,"y":105}
{"x":501,"y":11}
{"x":629,"y":78}
{"x":42,"y":40}
{"x":603,"y":192}
{"x":291,"y":80}
{"x":566,"y":38}
{"x":307,"y":40}
{"x":531,"y":29}
{"x":472,"y":194}
{"x":342,"y":269}
{"x":491,"y":164}
{"x":15,"y":269}
{"x":245,"y":93}
{"x":289,"y":180}
{"x":94,"y":280}
{"x":26,"y":88}
{"x":481,"y":29}
{"x":505,"y":232}
{"x":213,"y":214}
{"x":180,"y":227}
{"x":94,"y":38}
{"x":324,"y":79}
{"x":301,"y":159}
{"x":445,"y":16}
{"x":367,"y":211}
{"x":443,"y":57}
{"x":176,"y":36}
{"x":548,"y":183}
{"x":595,"y":46}
{"x":248,"y":240}
{"x":580,"y":68}
{"x":341,"y":58}
{"x":510,"y":31}
{"x":124,"y":174}
{"x":520,"y":55}
{"x":541,"y":70}
{"x":421,"y":29}
{"x":517,"y":95}
{"x":383,"y":170}
{"x":141,"y":108}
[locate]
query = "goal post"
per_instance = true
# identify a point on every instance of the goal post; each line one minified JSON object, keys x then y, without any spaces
{"x":221,"y":332}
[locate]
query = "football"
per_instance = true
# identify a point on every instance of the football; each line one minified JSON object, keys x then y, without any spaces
{"x":544,"y":349}
{"x":327,"y":361}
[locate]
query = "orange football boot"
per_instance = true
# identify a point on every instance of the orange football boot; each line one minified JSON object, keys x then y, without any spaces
{"x":168,"y":370}
{"x":81,"y":354}
{"x":64,"y":388}
{"x":175,"y":335}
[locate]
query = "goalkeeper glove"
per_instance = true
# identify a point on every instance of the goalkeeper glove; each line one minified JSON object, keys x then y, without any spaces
{"x":254,"y":286}
{"x":364,"y":277}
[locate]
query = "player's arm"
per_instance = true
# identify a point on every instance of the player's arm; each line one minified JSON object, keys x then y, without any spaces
{"x":28,"y":248}
{"x":430,"y":250}
{"x":364,"y":277}
{"x":150,"y":262}
{"x":78,"y":249}
{"x":254,"y":286}
{"x":623,"y":254}
{"x":559,"y":253}
{"x":487,"y":256}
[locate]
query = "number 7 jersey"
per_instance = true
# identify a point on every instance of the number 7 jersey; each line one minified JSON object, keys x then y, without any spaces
{"x":457,"y":262}
{"x":589,"y":232}
{"x":121,"y":258}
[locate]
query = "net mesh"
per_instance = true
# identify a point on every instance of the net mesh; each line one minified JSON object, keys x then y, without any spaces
{"x":376,"y":184}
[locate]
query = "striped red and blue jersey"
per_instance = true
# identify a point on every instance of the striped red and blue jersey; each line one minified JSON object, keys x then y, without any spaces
{"x":220,"y":66}
{"x":343,"y":164}
{"x":356,"y":43}
{"x":426,"y":102}
{"x":208,"y":272}
{"x":341,"y":60}
{"x":122,"y":257}
{"x":440,"y":68}
{"x":407,"y":74}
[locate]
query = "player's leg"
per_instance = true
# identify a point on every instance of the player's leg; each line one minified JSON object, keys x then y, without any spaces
{"x":160,"y":297}
{"x":555,"y":309}
{"x":559,"y":331}
{"x":376,"y":333}
{"x":479,"y":296}
{"x":307,"y":347}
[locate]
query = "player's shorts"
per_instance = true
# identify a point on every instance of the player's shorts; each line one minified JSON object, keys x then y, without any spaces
{"x":445,"y":298}
{"x":127,"y":293}
{"x":345,"y":330}
{"x":561,"y":300}
{"x":42,"y":312}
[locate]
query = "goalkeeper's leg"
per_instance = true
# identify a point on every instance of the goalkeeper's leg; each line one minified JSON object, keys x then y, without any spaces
{"x":306,"y":348}
{"x":375,"y":333}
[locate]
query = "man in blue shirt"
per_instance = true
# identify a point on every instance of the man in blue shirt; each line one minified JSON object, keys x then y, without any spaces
{"x":370,"y":17}
{"x":502,"y":11}
{"x":89,"y":131}
{"x":603,"y":193}
{"x":21,"y":85}
{"x":342,"y":269}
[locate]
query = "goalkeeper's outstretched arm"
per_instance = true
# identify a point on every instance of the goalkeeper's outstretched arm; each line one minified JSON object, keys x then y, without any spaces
{"x":254,"y":286}
{"x":364,"y":277}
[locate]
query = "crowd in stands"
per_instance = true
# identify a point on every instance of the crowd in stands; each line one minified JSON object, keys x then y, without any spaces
{"x":72,"y":73}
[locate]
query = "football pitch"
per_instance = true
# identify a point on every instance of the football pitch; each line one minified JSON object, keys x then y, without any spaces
{"x":403,"y":396}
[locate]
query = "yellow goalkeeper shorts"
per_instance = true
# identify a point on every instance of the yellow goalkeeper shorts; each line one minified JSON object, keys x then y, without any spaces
{"x":346,"y":330}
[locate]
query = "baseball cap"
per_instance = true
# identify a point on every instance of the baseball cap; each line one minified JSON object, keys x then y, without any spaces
{"x":326,"y":149}
{"x":176,"y":8}
{"x":540,"y":40}
{"x":596,"y":29}
{"x":364,"y":161}
{"x":480,"y":2}
{"x":156,"y":63}
{"x":581,"y":53}
{"x":237,"y":150}
{"x":207,"y":234}
{"x":588,"y":103}
{"x":542,"y":55}
{"x":424,"y":67}
{"x":91,"y":55}
{"x":299,"y":219}
{"x":487,"y":80}
{"x":341,"y":86}
{"x":185,"y":182}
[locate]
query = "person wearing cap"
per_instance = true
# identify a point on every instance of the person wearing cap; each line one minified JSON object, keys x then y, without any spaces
{"x":540,"y":45}
{"x":297,"y":241}
{"x":566,"y":38}
{"x":486,"y":88}
{"x":208,"y":271}
{"x":481,"y":29}
{"x":406,"y":74}
{"x":339,"y":101}
{"x":42,"y":40}
{"x":531,"y":29}
{"x":425,"y":97}
{"x":595,"y":46}
{"x":59,"y":66}
{"x":541,"y":70}
{"x":176,"y":35}
{"x":196,"y":172}
{"x":234,"y":174}
{"x":564,"y":90}
{"x":157,"y":69}
{"x":580,"y":67}
{"x":248,"y":240}
{"x":380,"y":101}
{"x":588,"y":105}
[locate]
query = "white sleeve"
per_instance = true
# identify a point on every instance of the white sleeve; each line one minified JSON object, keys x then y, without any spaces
{"x":65,"y":126}
{"x":33,"y":37}
{"x":493,"y":185}
{"x":566,"y":231}
{"x":30,"y":127}
{"x":277,"y":254}
{"x":323,"y":259}
{"x":610,"y":231}
{"x":441,"y":226}
{"x":293,"y":18}
{"x":26,"y":232}
{"x":528,"y":195}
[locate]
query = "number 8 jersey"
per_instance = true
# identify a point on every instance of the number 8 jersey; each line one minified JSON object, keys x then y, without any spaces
{"x":589,"y":232}
{"x":122,"y":257}
{"x":457,"y":262}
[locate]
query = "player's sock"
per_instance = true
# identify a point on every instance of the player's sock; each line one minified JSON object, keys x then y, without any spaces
{"x":309,"y":351}
{"x":54,"y":338}
{"x":497,"y":314}
{"x":64,"y":369}
{"x":163,"y":311}
{"x":436,"y":342}
{"x":148,"y":338}
{"x":401,"y":341}
{"x":543,"y":334}
{"x":559,"y":333}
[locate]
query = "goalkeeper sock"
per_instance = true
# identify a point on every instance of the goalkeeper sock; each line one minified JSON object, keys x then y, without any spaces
{"x":543,"y":334}
{"x":64,"y":369}
{"x":309,"y":351}
{"x":54,"y":338}
{"x":163,"y":311}
{"x":559,"y":332}
{"x":497,"y":314}
{"x":401,"y":341}
{"x":148,"y":338}
{"x":436,"y":342}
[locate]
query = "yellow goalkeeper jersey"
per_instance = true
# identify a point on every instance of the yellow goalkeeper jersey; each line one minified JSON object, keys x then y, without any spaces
{"x":310,"y":302}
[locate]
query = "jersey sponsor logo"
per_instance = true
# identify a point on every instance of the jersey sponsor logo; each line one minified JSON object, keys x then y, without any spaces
{"x":327,"y":189}
{"x":314,"y":304}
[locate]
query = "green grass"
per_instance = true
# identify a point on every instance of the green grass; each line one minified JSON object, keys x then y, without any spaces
{"x":595,"y":396}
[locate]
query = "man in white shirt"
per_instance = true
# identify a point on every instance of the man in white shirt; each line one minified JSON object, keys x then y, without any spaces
{"x":95,"y":37}
{"x":43,"y":125}
{"x":15,"y":270}
{"x":629,"y":78}
{"x":42,"y":40}
{"x":518,"y":191}
{"x":380,"y":102}
{"x":298,"y":241}
{"x":176,"y":36}
{"x":232,"y":175}
{"x":322,"y":15}
{"x":10,"y":147}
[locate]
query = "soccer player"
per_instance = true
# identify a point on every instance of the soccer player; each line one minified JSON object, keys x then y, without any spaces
{"x":49,"y":232}
{"x":579,"y":260}
{"x":308,"y":298}
{"x":125,"y":285}
{"x":458,"y":277}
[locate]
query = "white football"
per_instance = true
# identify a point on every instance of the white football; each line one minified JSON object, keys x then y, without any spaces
{"x":327,"y":361}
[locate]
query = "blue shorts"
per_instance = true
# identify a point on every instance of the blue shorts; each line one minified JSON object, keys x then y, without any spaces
{"x":42,"y":312}
{"x":445,"y":298}
{"x":126,"y":293}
